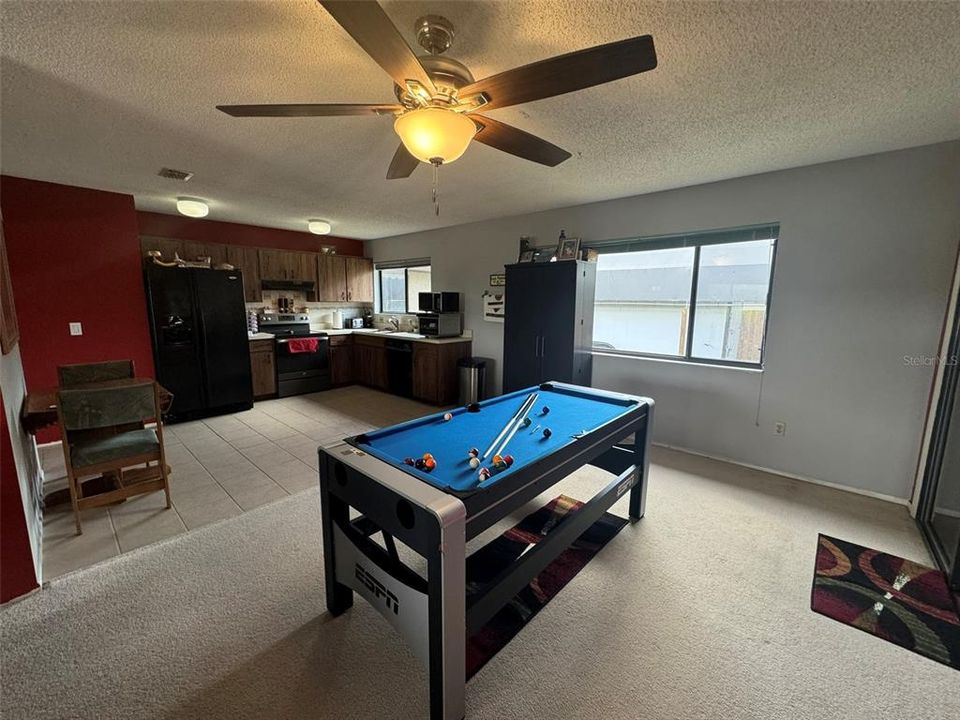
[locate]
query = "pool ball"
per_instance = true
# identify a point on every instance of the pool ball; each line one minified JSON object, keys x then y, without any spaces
{"x":418,"y":464}
{"x":508,"y":460}
{"x":429,"y":465}
{"x":447,"y":417}
{"x":408,"y":461}
{"x":474,"y":462}
{"x":483,"y":474}
{"x":526,"y":422}
{"x":427,"y":456}
{"x":547,"y":432}
{"x":497,"y":459}
{"x":545,"y":410}
{"x":474,"y":452}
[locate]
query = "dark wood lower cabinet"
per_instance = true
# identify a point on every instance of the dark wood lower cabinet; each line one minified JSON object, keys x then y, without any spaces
{"x":341,"y":360}
{"x":263,"y":368}
{"x":435,"y":378}
{"x":370,"y":361}
{"x":363,"y":359}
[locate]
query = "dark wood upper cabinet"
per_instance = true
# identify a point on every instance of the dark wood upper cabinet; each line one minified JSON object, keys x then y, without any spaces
{"x":338,"y":278}
{"x":332,"y":278}
{"x":304,"y":267}
{"x":275,"y":265}
{"x":247,"y":261}
{"x":9,"y":329}
{"x":359,"y":274}
{"x":288,"y":265}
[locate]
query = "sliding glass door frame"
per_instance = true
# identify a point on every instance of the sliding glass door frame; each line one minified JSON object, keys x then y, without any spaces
{"x":934,"y":464}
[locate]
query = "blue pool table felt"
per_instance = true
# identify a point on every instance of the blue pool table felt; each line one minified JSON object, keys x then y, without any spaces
{"x":572,"y":411}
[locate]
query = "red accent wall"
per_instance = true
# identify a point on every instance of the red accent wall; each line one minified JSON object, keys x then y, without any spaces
{"x":74,"y":257}
{"x":17,"y":575}
{"x":202,"y":230}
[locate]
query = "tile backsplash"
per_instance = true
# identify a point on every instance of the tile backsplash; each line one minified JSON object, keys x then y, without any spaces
{"x":408,"y":323}
{"x":321,"y":313}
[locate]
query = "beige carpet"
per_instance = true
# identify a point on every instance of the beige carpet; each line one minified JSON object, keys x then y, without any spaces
{"x":698,"y":611}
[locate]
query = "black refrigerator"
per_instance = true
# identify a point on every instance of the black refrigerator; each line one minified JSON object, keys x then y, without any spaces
{"x":200,"y":346}
{"x":548,"y":323}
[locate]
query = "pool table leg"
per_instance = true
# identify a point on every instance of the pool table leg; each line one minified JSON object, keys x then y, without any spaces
{"x":446,"y":576}
{"x":333,"y":510}
{"x":642,"y":440}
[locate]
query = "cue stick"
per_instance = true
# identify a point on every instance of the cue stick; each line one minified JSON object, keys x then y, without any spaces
{"x":513,"y":432}
{"x":525,"y":407}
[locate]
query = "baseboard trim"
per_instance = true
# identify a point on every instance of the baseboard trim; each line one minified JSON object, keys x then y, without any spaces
{"x":802,"y":478}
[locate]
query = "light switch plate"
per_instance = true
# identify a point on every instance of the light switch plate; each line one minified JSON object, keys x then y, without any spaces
{"x":76,"y":328}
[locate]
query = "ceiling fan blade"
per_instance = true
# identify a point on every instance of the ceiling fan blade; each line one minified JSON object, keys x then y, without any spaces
{"x":566,"y":73}
{"x":368,"y":24}
{"x":402,"y":165}
{"x":308,"y":110}
{"x":517,"y":142}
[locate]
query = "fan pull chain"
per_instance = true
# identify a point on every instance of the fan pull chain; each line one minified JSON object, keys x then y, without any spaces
{"x":436,"y":186}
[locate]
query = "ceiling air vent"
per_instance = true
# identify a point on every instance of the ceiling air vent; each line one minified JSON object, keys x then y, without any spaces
{"x":172,"y":174}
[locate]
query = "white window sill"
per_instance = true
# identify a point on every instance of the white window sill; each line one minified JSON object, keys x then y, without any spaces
{"x":676,"y":361}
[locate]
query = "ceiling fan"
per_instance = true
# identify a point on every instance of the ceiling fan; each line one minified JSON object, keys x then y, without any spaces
{"x":438,"y":100}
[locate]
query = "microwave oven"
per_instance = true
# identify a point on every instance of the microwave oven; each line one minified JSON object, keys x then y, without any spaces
{"x":441,"y":324}
{"x":439,"y":302}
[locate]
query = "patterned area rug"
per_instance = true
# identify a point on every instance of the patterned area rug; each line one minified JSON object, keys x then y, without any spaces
{"x":887,"y":596}
{"x":484,"y":564}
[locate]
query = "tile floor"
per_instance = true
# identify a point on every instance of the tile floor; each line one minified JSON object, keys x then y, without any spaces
{"x":221,"y":467}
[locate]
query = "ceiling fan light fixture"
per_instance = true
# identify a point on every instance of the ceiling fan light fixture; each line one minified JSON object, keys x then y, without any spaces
{"x":435,"y":135}
{"x":192,"y":207}
{"x":319,"y":227}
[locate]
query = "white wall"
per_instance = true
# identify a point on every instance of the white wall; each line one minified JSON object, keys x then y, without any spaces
{"x":24,"y":450}
{"x":863,"y":267}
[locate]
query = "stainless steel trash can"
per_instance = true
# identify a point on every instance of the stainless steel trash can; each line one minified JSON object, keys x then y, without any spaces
{"x":473,"y":379}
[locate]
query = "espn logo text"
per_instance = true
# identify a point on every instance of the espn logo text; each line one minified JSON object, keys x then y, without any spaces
{"x":377,"y":588}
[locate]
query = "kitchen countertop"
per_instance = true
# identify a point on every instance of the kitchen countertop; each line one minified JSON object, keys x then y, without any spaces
{"x":415,"y":337}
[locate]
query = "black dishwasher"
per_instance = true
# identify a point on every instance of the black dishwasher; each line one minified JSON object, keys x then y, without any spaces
{"x":400,"y":367}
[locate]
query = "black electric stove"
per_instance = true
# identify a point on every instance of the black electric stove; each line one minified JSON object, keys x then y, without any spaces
{"x":299,"y":371}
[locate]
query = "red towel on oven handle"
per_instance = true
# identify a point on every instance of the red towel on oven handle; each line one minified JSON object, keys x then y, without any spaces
{"x":303,"y":345}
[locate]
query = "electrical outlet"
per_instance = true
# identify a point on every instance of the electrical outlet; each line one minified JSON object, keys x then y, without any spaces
{"x":779,"y":428}
{"x":76,"y":328}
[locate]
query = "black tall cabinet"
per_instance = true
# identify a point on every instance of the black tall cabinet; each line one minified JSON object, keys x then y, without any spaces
{"x":548,"y":324}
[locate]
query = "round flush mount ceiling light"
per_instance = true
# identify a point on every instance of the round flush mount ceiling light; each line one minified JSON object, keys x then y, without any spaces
{"x":192,"y":207}
{"x":319,"y":227}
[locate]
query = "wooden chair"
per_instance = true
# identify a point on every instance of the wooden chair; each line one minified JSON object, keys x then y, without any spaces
{"x":84,"y":412}
{"x":83,"y":373}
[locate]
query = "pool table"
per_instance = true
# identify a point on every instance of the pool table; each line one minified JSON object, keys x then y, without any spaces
{"x":436,"y":512}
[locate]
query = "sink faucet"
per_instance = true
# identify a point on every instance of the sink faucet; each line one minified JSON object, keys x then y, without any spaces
{"x":395,"y":322}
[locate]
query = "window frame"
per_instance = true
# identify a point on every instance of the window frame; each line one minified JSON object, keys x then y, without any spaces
{"x":691,"y":240}
{"x":404,"y":265}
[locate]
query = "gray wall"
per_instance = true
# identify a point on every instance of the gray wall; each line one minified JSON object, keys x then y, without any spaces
{"x":865,"y":259}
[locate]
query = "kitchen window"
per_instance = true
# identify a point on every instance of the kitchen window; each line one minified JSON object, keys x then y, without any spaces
{"x":700,"y":297}
{"x":398,"y":285}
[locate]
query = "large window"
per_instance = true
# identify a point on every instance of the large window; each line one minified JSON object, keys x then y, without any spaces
{"x":700,"y":297}
{"x":398,"y":285}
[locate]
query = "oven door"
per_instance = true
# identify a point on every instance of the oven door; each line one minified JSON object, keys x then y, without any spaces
{"x":302,"y":372}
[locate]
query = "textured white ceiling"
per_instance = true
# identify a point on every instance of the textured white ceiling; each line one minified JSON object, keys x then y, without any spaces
{"x":104,"y":94}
